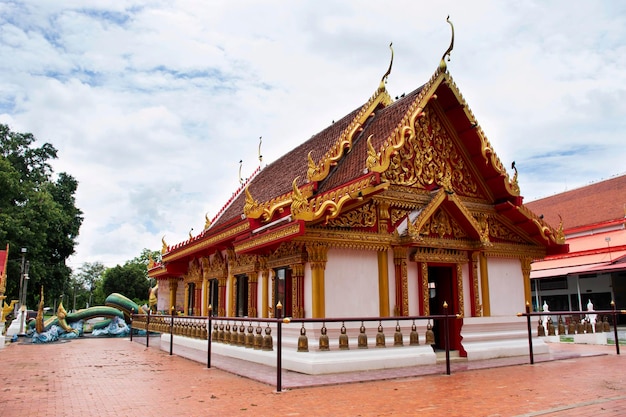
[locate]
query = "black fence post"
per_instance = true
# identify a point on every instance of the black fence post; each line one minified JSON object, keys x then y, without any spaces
{"x":279,"y":343}
{"x":446,"y":335}
{"x":530,"y":334}
{"x":615,"y":326}
{"x":132,"y":311}
{"x":172,"y":331}
{"x":148,"y":330}
{"x":208,"y":336}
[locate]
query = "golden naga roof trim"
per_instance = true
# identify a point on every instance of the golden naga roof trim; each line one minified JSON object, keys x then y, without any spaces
{"x":198,"y":245}
{"x":379,"y":161}
{"x":329,"y":204}
{"x":265,"y":211}
{"x":487,"y":151}
{"x":546,"y":231}
{"x":319,"y":171}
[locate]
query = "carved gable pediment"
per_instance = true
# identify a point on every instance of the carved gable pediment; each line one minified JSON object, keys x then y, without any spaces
{"x":288,"y":253}
{"x":360,"y":217}
{"x":215,"y":267}
{"x":444,"y":216}
{"x":499,"y":231}
{"x":244,"y":264}
{"x":194,"y":272}
{"x":431,"y":158}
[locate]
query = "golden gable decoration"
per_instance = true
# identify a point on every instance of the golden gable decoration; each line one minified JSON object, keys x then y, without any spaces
{"x":288,"y":253}
{"x":422,"y":159}
{"x":319,"y":171}
{"x":194,"y":273}
{"x":216,"y":267}
{"x":364,"y":216}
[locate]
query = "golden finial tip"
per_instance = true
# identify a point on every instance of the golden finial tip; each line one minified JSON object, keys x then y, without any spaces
{"x":442,"y":64}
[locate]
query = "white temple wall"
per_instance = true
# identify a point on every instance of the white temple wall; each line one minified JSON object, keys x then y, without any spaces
{"x":506,"y":286}
{"x":163,"y":297}
{"x":351,"y":283}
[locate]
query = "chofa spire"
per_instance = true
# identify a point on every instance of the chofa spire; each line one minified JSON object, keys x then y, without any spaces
{"x":383,"y":80}
{"x":442,"y":63}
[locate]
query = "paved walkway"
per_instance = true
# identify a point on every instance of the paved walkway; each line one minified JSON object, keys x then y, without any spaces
{"x":114,"y":377}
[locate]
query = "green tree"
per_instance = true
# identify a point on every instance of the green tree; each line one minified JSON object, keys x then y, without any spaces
{"x":131,"y":279}
{"x":89,"y":278}
{"x":37,"y":212}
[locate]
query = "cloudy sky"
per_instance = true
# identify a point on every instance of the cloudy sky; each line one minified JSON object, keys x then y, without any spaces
{"x":152,"y":104}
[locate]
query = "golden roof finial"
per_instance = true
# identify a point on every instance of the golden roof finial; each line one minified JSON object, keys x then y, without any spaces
{"x":560,"y":235}
{"x":383,"y":80}
{"x":442,"y":64}
{"x":207,"y":221}
{"x":164,"y":246}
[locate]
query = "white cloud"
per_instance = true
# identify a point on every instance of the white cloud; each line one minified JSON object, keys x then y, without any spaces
{"x":151,"y":104}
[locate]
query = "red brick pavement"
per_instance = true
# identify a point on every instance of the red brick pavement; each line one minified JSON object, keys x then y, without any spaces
{"x":114,"y":377}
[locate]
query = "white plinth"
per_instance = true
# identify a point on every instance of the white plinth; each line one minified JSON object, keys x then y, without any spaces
{"x":591,"y":338}
{"x":313,"y":362}
{"x":498,"y":337}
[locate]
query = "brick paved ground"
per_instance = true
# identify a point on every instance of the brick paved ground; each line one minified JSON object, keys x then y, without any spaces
{"x":114,"y":377}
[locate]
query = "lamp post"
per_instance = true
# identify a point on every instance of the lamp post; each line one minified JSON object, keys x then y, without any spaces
{"x":23,"y":296}
{"x":21,"y":292}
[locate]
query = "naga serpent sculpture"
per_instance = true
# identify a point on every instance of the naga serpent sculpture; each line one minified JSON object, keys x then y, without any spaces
{"x":116,"y":305}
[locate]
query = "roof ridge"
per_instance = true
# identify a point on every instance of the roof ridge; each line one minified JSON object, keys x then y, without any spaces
{"x":234,"y":196}
{"x":319,"y":171}
{"x":581,"y":187}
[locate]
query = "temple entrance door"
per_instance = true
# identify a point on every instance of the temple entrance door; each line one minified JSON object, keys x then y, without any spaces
{"x":442,"y":287}
{"x":283,"y":290}
{"x":191,"y":298}
{"x":241,"y":309}
{"x":214,"y":296}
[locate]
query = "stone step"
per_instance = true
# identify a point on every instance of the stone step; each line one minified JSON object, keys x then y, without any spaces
{"x":454,"y":356}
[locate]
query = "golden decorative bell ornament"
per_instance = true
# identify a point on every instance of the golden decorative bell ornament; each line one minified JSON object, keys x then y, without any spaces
{"x":414,"y":338}
{"x":303,"y":342}
{"x":380,"y":337}
{"x":323,"y":341}
{"x":268,"y":342}
{"x":343,"y":339}
{"x":430,"y":335}
{"x":362,"y":340}
{"x":397,"y":336}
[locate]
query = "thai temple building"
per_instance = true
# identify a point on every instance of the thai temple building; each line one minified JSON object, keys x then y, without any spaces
{"x":395,"y":208}
{"x":593,"y":219}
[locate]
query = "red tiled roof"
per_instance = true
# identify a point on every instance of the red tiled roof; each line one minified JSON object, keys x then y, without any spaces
{"x":601,"y":202}
{"x":276,"y":179}
{"x":380,"y":126}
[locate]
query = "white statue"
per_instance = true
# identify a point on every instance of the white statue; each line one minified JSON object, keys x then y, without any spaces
{"x":545,"y":318}
{"x":591,"y":317}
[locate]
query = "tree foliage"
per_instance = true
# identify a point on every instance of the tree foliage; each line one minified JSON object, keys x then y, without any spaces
{"x":131,"y":279}
{"x":37,"y":212}
{"x":88,"y":284}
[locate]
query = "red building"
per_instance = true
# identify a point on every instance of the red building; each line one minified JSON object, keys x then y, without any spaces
{"x":593,"y":219}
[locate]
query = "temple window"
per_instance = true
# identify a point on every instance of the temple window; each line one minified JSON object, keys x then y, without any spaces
{"x":241,"y":308}
{"x":283,"y":290}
